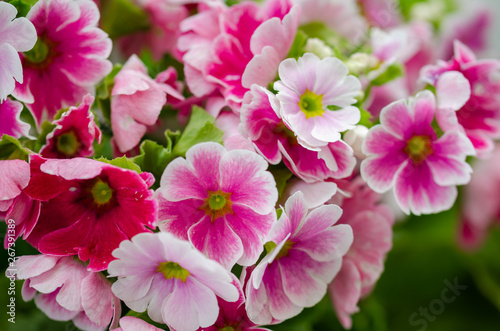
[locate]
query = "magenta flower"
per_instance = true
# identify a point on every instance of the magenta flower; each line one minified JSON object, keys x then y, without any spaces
{"x":16,"y":35}
{"x":479,"y":115}
{"x":262,"y":123}
{"x":405,"y":153}
{"x":305,"y":252}
{"x":18,"y":210}
{"x":171,"y":279}
{"x":222,"y":202}
{"x":64,"y":290}
{"x":74,"y":134}
{"x":308,"y":89}
{"x":480,"y":204}
{"x":227,"y":49}
{"x":371,"y":224}
{"x":88,"y":207}
{"x":68,"y":60}
{"x":232,"y":315}
{"x":10,"y":122}
{"x":136,"y":102}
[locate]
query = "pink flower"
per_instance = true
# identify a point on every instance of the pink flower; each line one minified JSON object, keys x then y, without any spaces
{"x":304,"y":254}
{"x":381,"y":13}
{"x":19,"y":210}
{"x":64,"y":290}
{"x":405,"y":153}
{"x":136,"y":102}
{"x":479,"y":117}
{"x":480,"y":205}
{"x":261,"y":122}
{"x":371,"y":224}
{"x":307,"y":90}
{"x":167,"y":276}
{"x":221,"y":201}
{"x":88,"y":207}
{"x":16,"y":35}
{"x":131,"y":323}
{"x":10,"y":122}
{"x":232,"y":315}
{"x":229,"y":49}
{"x":74,"y":134}
{"x":228,"y":122}
{"x":68,"y":60}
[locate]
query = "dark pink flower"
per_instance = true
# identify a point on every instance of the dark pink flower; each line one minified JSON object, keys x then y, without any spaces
{"x":88,"y":207}
{"x":74,"y":134}
{"x":68,"y":60}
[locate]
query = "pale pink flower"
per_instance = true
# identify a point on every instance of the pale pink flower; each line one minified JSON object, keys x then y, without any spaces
{"x":221,"y":201}
{"x":371,"y":224}
{"x":68,"y":60}
{"x":64,"y":290}
{"x":16,"y":35}
{"x":10,"y":122}
{"x":261,"y":122}
{"x":405,"y":153}
{"x":480,"y":205}
{"x":131,"y":323}
{"x":74,"y":133}
{"x":305,"y":251}
{"x":381,"y":13}
{"x":15,"y":205}
{"x":136,"y":102}
{"x":308,"y":89}
{"x":177,"y":284}
{"x":479,"y":115}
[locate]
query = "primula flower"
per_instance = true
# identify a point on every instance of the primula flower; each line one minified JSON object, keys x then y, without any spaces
{"x":64,"y":290}
{"x":68,"y":60}
{"x":479,"y":118}
{"x":10,"y":122}
{"x":14,"y":203}
{"x":261,"y":122}
{"x":227,"y":49}
{"x":177,"y":284}
{"x":480,"y":205}
{"x":232,"y":315}
{"x":88,"y":207}
{"x":221,"y":201}
{"x":74,"y":133}
{"x":316,"y":97}
{"x":371,"y":224}
{"x":305,"y":252}
{"x":404,"y":152}
{"x":131,"y":323}
{"x":16,"y":35}
{"x":136,"y":102}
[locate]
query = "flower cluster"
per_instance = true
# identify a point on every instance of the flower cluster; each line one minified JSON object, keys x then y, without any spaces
{"x":243,"y":182}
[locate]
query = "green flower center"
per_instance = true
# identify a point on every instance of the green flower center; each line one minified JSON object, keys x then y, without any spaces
{"x":270,"y":246}
{"x":227,"y":328}
{"x":217,"y":204}
{"x":419,"y":148}
{"x":173,"y":270}
{"x":311,"y":104}
{"x":38,"y":53}
{"x":101,"y":192}
{"x":67,"y":143}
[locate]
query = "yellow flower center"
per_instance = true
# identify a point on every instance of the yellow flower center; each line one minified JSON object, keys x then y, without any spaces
{"x":173,"y":270}
{"x":101,"y":192}
{"x":311,"y":104}
{"x":270,"y":246}
{"x":419,"y":148}
{"x":217,"y":204}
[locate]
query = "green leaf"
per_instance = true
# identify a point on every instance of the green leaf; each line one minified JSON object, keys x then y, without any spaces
{"x":297,"y":49}
{"x":394,"y":71}
{"x":281,"y":176}
{"x":365,"y":118}
{"x":122,"y":17}
{"x":11,"y":149}
{"x":200,"y":128}
{"x":22,"y":6}
{"x":122,"y":162}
